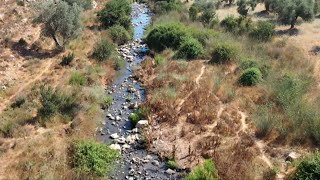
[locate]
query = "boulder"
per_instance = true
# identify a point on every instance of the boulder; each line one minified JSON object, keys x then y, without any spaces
{"x":115,"y":147}
{"x":142,"y":124}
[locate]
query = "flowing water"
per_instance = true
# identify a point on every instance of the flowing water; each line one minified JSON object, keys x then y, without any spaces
{"x":135,"y":162}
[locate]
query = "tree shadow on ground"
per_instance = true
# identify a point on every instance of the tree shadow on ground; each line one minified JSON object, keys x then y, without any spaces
{"x":263,"y":14}
{"x":316,"y":50}
{"x":289,"y":32}
{"x":21,"y":47}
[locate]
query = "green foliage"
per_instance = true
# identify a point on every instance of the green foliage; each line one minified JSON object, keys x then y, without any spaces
{"x":90,"y":157}
{"x":66,"y":60}
{"x":264,"y":31}
{"x":159,"y":60}
{"x":230,"y":23}
{"x":103,"y":50}
{"x":289,"y":10}
{"x":250,"y":77}
{"x":165,"y":6}
{"x":7,"y":129}
{"x":84,"y":4}
{"x":206,"y":171}
{"x":106,"y":101}
{"x":118,"y":63}
{"x":54,"y":101}
{"x":78,"y":79}
{"x":209,"y":18}
{"x":166,"y":36}
{"x":193,"y":13}
{"x":309,"y":168}
{"x":116,"y":12}
{"x":60,"y":20}
{"x":119,"y":34}
{"x":190,"y":49}
{"x":245,"y":5}
{"x":172,"y":164}
{"x":264,"y":120}
{"x":248,"y":63}
{"x":134,"y":117}
{"x":238,"y":25}
{"x":224,"y":53}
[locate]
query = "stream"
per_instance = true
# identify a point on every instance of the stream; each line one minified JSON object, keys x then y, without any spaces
{"x":135,"y":162}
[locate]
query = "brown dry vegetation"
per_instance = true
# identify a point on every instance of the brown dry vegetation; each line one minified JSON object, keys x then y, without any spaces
{"x":28,"y":148}
{"x":199,"y":111}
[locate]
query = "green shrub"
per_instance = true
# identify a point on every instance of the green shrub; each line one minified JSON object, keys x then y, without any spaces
{"x":7,"y":129}
{"x":193,"y":13}
{"x":263,"y":32}
{"x":309,"y":168}
{"x":264,"y":120}
{"x":54,"y":101}
{"x":190,"y":49}
{"x":250,"y":77}
{"x":248,"y":63}
{"x":159,"y":60}
{"x":206,"y":171}
{"x":90,"y":157}
{"x":119,"y":34}
{"x":116,"y":12}
{"x":66,"y":60}
{"x":208,"y":18}
{"x":78,"y":79}
{"x":165,"y":6}
{"x":166,"y":36}
{"x":134,"y":117}
{"x":224,"y":53}
{"x":172,"y":164}
{"x":103,"y":50}
{"x":106,"y":101}
{"x":118,"y":63}
{"x":85,"y":4}
{"x":230,"y":23}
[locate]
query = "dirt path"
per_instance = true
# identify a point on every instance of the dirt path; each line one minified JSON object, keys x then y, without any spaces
{"x":46,"y":66}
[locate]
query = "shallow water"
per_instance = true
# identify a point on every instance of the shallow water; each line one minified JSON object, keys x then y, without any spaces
{"x":136,"y":162}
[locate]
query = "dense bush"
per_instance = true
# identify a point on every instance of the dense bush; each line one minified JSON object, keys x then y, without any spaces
{"x":250,"y":77}
{"x":54,"y":101}
{"x":18,"y":102}
{"x":166,"y":36}
{"x":78,"y":79}
{"x":263,"y":32}
{"x":85,"y":4}
{"x":208,"y":18}
{"x":206,"y":171}
{"x":103,"y":50}
{"x":116,"y":12}
{"x":230,"y":23}
{"x":66,"y":60}
{"x":248,"y":63}
{"x":190,"y":49}
{"x":93,"y":158}
{"x":193,"y":13}
{"x":119,"y":34}
{"x":137,"y":115}
{"x":159,"y":60}
{"x":165,"y":6}
{"x":309,"y":168}
{"x":223,"y":53}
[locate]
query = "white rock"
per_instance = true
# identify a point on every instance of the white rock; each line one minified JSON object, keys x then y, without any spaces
{"x":115,"y":147}
{"x":292,"y":156}
{"x":121,"y":140}
{"x":142,"y":124}
{"x":114,"y":136}
{"x":170,"y":171}
{"x":118,"y":118}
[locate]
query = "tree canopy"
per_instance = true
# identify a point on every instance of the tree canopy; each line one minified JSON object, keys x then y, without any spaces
{"x":61,"y":20}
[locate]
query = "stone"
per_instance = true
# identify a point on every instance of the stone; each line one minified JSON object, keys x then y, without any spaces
{"x":131,"y":139}
{"x":121,"y":140}
{"x":114,"y":136}
{"x":155,"y":162}
{"x":115,"y":147}
{"x":292,"y":156}
{"x":118,"y":118}
{"x":170,"y":171}
{"x":142,"y":124}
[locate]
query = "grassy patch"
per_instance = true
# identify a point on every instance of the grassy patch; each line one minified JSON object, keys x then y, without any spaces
{"x":206,"y":171}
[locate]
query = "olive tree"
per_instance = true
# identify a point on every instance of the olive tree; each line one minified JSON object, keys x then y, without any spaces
{"x":61,"y":20}
{"x":289,"y":10}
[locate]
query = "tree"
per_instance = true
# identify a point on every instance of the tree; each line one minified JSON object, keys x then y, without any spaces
{"x":245,"y":5}
{"x":289,"y":10}
{"x":208,"y":18}
{"x":61,"y":21}
{"x":116,"y":12}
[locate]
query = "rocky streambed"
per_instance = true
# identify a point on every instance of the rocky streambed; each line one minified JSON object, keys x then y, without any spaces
{"x":135,"y":162}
